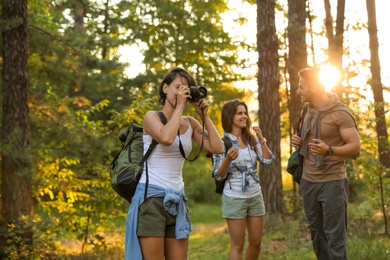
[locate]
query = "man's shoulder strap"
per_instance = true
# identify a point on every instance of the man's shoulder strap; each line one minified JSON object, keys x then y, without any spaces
{"x":340,"y":108}
{"x":305,"y":108}
{"x":337,"y":108}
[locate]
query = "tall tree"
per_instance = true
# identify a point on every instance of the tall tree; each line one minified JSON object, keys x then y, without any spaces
{"x":335,"y":40}
{"x":269,"y":110}
{"x":297,"y":52}
{"x":377,"y":87}
{"x":379,"y":104}
{"x":16,"y":188}
{"x":75,"y":113}
{"x":297,"y":58}
{"x":310,"y":18}
{"x":79,"y":15}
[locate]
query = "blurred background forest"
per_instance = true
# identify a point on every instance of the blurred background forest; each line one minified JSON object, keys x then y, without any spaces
{"x":76,"y":72}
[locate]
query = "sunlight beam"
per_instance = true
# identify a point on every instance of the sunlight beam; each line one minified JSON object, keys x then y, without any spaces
{"x":329,"y":76}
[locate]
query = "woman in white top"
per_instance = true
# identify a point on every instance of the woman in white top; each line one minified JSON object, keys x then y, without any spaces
{"x":159,"y":227}
{"x":242,"y":200}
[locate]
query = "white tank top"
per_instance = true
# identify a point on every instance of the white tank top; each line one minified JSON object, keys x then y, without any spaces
{"x":165,"y":163}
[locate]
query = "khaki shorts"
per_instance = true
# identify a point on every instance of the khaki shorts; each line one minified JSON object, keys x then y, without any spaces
{"x":154,"y":220}
{"x":238,"y":208}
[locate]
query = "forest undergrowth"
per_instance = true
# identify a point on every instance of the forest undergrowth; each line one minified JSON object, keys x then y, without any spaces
{"x":285,"y":236}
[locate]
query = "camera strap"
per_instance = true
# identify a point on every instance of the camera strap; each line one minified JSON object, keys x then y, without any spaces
{"x":181,"y":145}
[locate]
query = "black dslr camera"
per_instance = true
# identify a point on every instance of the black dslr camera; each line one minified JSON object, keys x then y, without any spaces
{"x":197,"y":93}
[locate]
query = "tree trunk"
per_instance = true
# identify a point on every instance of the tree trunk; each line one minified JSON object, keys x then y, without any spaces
{"x":337,"y":55}
{"x":335,"y":40}
{"x":310,"y":20}
{"x":328,"y":23}
{"x":16,"y":192}
{"x":79,"y":13}
{"x":106,"y":12}
{"x":269,"y":111}
{"x":79,"y":28}
{"x":297,"y":60}
{"x":377,"y":88}
{"x":297,"y":53}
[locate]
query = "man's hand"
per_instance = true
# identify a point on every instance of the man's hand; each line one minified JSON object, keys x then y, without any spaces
{"x":296,"y":140}
{"x":318,"y":147}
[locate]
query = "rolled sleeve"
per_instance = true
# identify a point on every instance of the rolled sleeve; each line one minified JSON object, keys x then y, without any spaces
{"x":264,"y":161}
{"x":218,"y":159}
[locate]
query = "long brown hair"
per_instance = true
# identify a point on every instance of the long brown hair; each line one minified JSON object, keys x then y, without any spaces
{"x":229,"y":109}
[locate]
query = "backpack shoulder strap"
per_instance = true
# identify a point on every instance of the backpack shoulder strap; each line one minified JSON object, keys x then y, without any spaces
{"x":302,"y":118}
{"x":305,"y":109}
{"x":340,"y":108}
{"x":154,"y":142}
{"x":228,"y":144}
{"x":162,"y":117}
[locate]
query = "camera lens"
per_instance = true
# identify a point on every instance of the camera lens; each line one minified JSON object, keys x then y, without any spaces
{"x":202,"y":92}
{"x":197,"y":93}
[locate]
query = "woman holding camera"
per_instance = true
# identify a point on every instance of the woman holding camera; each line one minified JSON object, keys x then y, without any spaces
{"x":159,"y":227}
{"x":242,"y":200}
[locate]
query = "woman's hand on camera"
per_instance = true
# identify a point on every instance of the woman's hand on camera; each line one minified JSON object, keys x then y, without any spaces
{"x":183,"y":93}
{"x":201,"y":106}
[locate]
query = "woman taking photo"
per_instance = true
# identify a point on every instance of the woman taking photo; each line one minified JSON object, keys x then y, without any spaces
{"x":242,"y":200}
{"x":158,"y":227}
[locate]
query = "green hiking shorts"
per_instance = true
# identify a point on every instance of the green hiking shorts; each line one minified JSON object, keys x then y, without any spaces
{"x":238,"y":208}
{"x":154,"y":220}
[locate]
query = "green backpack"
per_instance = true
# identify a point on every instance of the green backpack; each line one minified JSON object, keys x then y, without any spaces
{"x":127,"y":166}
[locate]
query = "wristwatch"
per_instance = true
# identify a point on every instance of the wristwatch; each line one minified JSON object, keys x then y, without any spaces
{"x":329,"y":152}
{"x":264,"y":141}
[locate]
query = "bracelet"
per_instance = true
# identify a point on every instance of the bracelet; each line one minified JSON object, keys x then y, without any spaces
{"x":264,"y":141}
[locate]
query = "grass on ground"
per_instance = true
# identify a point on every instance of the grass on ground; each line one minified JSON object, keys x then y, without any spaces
{"x":285,"y":237}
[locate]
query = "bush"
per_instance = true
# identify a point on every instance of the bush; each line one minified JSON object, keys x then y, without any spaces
{"x":199,"y":185}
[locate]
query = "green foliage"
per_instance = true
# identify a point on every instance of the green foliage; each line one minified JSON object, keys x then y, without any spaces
{"x":188,"y":34}
{"x":76,"y":105}
{"x":199,"y":185}
{"x":43,"y":241}
{"x":209,"y":242}
{"x":366,"y":245}
{"x":364,"y":180}
{"x":202,"y":213}
{"x":73,"y":185}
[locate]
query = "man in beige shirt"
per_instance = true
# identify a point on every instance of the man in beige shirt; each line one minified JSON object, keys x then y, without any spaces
{"x":328,"y":136}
